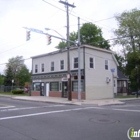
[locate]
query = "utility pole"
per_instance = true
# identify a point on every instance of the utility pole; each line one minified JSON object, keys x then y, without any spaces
{"x":68,"y":49}
{"x":79,"y":71}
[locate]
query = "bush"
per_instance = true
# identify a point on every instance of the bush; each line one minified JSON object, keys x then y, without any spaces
{"x":18,"y":91}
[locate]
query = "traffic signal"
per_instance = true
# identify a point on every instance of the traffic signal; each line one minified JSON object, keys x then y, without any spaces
{"x":49,"y":39}
{"x":28,"y":35}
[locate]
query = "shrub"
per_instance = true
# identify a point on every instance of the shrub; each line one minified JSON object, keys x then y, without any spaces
{"x":18,"y":91}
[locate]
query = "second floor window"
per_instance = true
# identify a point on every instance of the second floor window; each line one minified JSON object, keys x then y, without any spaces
{"x":75,"y":62}
{"x":42,"y":67}
{"x":52,"y":66}
{"x":91,"y":62}
{"x":106,"y":64}
{"x":36,"y":68}
{"x":61,"y":64}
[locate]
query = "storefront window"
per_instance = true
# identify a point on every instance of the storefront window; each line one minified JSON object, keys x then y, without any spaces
{"x":54,"y":86}
{"x":75,"y":86}
{"x":36,"y":86}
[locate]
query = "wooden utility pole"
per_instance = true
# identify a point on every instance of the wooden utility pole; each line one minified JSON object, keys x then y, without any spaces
{"x":68,"y":51}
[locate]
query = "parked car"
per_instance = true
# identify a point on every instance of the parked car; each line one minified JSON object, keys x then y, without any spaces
{"x":135,"y":92}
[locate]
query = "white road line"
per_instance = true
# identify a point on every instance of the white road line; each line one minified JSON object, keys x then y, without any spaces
{"x":128,"y":106}
{"x":50,"y":112}
{"x":14,"y":109}
{"x":67,"y":110}
{"x":128,"y":110}
{"x":7,"y":107}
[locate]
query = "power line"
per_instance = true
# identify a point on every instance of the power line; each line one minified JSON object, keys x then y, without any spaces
{"x":18,"y":46}
{"x":15,"y":61}
{"x":76,"y":15}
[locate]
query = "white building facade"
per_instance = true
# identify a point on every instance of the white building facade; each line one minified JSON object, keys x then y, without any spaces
{"x":49,"y":73}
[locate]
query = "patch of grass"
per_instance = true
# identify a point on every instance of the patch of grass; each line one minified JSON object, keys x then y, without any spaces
{"x":10,"y":93}
{"x":125,"y":96}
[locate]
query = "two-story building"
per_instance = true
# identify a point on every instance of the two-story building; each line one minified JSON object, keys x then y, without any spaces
{"x":49,"y":73}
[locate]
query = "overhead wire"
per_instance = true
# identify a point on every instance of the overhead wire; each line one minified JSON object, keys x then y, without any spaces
{"x":73,"y":14}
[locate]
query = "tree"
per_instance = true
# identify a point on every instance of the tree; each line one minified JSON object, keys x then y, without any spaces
{"x":89,"y":34}
{"x":128,"y":36}
{"x":23,"y":76}
{"x":128,"y":32}
{"x":121,"y":62}
{"x":133,"y":69}
{"x":8,"y":77}
{"x":15,"y":64}
{"x":1,"y":79}
{"x":73,"y":37}
{"x":16,"y":70}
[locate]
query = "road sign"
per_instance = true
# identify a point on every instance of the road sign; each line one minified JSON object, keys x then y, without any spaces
{"x":34,"y":30}
{"x":113,"y":70}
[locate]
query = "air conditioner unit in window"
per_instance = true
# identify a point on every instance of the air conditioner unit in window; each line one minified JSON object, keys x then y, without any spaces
{"x":108,"y":79}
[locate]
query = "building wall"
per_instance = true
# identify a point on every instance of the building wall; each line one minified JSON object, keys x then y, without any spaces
{"x":96,"y":85}
{"x":56,"y":58}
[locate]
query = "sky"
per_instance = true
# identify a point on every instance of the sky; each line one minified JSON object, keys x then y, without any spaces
{"x":41,"y":14}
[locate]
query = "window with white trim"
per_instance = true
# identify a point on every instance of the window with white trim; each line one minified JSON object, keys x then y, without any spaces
{"x":61,"y":64}
{"x":75,"y":62}
{"x":52,"y":66}
{"x":91,"y":62}
{"x":75,"y":86}
{"x":54,"y":86}
{"x":42,"y":67}
{"x":106,"y":64}
{"x":36,"y":68}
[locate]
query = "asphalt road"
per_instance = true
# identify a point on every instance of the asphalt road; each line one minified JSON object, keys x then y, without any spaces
{"x":24,"y":120}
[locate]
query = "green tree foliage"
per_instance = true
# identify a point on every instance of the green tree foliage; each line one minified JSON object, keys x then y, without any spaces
{"x":89,"y":34}
{"x":133,"y":69}
{"x":8,"y":77}
{"x":15,"y":63}
{"x":16,"y":70}
{"x":128,"y":32}
{"x":121,"y":62}
{"x":73,"y":37}
{"x":23,"y":76}
{"x":1,"y":79}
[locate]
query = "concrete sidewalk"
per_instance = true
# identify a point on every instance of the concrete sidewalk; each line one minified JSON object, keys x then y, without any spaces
{"x":65,"y":100}
{"x":57,"y":100}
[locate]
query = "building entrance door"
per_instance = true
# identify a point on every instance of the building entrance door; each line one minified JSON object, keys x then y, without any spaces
{"x":64,"y":89}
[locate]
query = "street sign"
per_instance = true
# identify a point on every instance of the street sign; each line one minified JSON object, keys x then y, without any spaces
{"x":34,"y":30}
{"x":113,"y":70}
{"x":64,"y":79}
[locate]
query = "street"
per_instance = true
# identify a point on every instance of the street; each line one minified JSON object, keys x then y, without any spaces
{"x":25,"y":120}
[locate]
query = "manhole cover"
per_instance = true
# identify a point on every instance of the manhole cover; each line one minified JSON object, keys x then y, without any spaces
{"x":104,"y":121}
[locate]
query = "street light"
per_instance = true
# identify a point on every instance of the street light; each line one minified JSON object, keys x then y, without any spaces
{"x":54,"y":31}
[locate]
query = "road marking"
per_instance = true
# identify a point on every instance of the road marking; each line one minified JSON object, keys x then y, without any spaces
{"x":127,"y":106}
{"x":50,"y":112}
{"x":128,"y":110}
{"x":14,"y":109}
{"x":67,"y":110}
{"x":7,"y":107}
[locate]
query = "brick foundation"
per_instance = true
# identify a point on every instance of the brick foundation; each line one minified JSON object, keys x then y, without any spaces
{"x":55,"y":94}
{"x":75,"y":95}
{"x":35,"y":93}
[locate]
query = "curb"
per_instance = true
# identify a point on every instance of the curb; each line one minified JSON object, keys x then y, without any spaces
{"x":45,"y":101}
